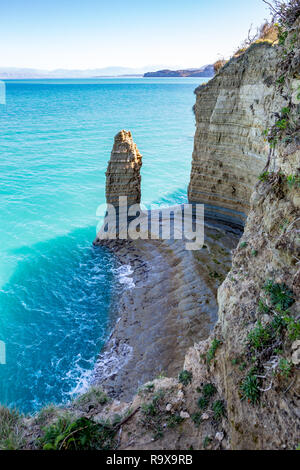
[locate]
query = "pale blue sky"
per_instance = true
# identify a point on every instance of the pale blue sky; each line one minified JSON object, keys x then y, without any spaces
{"x":95,"y":33}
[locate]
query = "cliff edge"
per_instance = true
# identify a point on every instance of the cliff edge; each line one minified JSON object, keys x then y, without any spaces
{"x":230,"y":150}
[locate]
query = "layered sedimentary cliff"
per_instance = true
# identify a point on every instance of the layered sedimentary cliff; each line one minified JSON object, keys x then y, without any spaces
{"x":123,"y":172}
{"x":230,"y":151}
{"x":256,"y":366}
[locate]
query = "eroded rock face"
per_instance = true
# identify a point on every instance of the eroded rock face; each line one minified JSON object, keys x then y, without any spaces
{"x":123,"y":172}
{"x":268,"y":252}
{"x":274,"y":422}
{"x":230,"y":151}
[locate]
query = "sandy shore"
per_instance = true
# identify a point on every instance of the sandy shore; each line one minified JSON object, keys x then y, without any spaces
{"x":171,"y":306}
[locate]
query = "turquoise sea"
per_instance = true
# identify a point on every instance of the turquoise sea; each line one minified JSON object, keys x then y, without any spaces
{"x":55,"y":288}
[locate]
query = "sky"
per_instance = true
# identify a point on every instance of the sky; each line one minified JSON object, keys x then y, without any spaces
{"x":82,"y":34}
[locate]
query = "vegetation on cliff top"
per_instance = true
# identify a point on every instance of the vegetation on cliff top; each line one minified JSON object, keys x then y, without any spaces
{"x":78,"y":434}
{"x":286,"y":12}
{"x":11,"y":429}
{"x":287,"y":123}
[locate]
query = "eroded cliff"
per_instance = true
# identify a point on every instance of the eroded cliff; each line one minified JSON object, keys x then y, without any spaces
{"x":256,"y":364}
{"x":230,"y":151}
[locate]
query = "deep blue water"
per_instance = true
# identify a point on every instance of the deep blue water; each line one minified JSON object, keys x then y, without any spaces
{"x":55,"y":288}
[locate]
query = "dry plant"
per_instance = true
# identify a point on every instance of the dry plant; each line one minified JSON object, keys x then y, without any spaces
{"x":284,"y":11}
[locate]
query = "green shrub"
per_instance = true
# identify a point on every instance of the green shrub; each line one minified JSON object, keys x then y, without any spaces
{"x":282,"y":124}
{"x":263,"y":307}
{"x":11,"y":429}
{"x":174,"y":420}
{"x":218,"y":409}
{"x":278,"y":323}
{"x":293,"y":181}
{"x":249,"y":388}
{"x":153,"y":414}
{"x":202,"y":403}
{"x":259,"y":337}
{"x":185,"y":377}
{"x":209,"y":390}
{"x":282,"y":37}
{"x":280,"y":295}
{"x":293,"y":328}
{"x":80,"y":434}
{"x":285,"y":367}
{"x":149,"y":388}
{"x":150,"y":409}
{"x":212,"y":350}
{"x":264,"y":176}
{"x":215,"y":275}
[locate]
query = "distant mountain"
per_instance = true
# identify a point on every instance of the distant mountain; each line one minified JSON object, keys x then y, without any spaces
{"x":205,"y":71}
{"x":30,"y":73}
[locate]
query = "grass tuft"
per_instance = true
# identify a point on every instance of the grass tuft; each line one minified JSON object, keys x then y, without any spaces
{"x":79,"y":434}
{"x":280,"y":295}
{"x":212,"y":350}
{"x":185,"y":377}
{"x":218,"y":409}
{"x":203,"y":403}
{"x":249,"y":388}
{"x":93,"y":398}
{"x":209,"y":390}
{"x":11,"y":429}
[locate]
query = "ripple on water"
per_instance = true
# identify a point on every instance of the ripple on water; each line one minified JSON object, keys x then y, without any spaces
{"x":54,"y":320}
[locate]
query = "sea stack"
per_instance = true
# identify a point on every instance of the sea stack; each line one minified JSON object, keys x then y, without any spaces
{"x":123,"y":187}
{"x":123,"y":176}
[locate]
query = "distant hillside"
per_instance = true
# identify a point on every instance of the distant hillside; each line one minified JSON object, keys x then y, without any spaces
{"x":206,"y":71}
{"x":30,"y":73}
{"x":7,"y":73}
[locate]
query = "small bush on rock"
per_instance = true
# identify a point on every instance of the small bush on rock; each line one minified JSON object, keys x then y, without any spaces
{"x":250,"y":389}
{"x":80,"y":434}
{"x":185,"y":377}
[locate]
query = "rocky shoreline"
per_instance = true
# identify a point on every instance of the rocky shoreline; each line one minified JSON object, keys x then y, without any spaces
{"x":172,"y":306}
